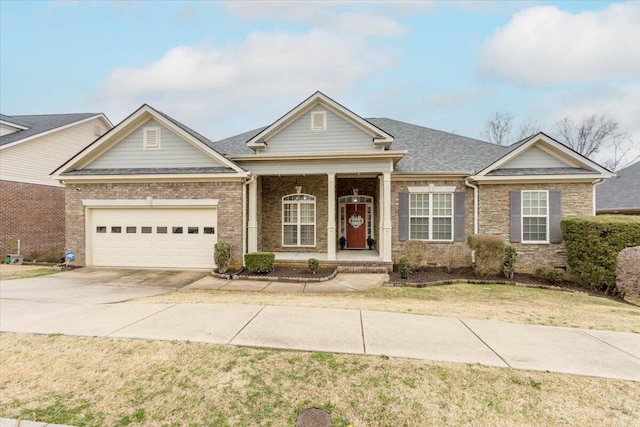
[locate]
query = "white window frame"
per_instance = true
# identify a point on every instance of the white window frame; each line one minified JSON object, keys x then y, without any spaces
{"x":430,"y":216}
{"x":302,"y":199}
{"x":313,"y":120}
{"x":522,"y":217}
{"x":145,"y":140}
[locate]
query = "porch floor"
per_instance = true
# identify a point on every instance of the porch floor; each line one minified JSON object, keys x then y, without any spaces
{"x":364,"y":255}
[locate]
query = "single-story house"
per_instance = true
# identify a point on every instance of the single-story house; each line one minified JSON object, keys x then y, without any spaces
{"x":154,"y":193}
{"x":32,"y":208}
{"x":620,"y":194}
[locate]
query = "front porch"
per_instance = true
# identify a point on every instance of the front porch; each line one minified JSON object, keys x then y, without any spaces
{"x":346,"y":260}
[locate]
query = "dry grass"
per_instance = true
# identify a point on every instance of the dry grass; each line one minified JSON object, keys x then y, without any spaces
{"x":96,"y":381}
{"x":10,"y":272}
{"x":495,"y":302}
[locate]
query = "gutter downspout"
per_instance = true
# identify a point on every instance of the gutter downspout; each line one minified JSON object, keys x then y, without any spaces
{"x":475,"y":214}
{"x":595,"y":184}
{"x":244,"y":214}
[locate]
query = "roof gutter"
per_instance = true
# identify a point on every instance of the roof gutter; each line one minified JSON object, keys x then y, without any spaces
{"x":595,"y":184}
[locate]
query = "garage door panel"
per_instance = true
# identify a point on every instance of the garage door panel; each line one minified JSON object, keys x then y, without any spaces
{"x":154,"y":248}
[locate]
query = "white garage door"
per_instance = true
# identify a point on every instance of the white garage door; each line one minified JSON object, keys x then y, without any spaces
{"x":152,"y":237}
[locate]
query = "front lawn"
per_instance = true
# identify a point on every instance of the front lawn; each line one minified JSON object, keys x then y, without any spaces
{"x":495,"y":302}
{"x":120,"y":382}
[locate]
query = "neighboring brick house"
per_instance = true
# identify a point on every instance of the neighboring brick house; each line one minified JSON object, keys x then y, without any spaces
{"x":31,"y":203}
{"x":620,"y":194}
{"x":319,"y":182}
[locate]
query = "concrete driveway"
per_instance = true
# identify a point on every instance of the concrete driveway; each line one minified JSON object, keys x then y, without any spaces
{"x":97,"y":285}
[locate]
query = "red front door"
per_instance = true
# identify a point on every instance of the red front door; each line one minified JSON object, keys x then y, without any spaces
{"x":356,"y":226}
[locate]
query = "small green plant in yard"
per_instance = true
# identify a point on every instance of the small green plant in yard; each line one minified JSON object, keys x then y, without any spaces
{"x":313,"y":265}
{"x":551,"y":275}
{"x":404,"y":267}
{"x":509,"y":265}
{"x":260,"y":262}
{"x":222,"y":256}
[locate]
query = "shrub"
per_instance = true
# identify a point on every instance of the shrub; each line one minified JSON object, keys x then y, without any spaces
{"x":313,"y":265}
{"x":509,"y":264}
{"x":593,"y":245}
{"x":415,"y":251}
{"x":489,"y":253}
{"x":628,"y":272}
{"x":551,"y":275}
{"x":454,"y":252}
{"x":404,"y":267}
{"x":222,"y":256}
{"x":260,"y":262}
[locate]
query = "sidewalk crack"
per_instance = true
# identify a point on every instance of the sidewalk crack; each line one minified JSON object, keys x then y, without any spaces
{"x":485,"y":343}
{"x":140,"y":320}
{"x":246,"y":324}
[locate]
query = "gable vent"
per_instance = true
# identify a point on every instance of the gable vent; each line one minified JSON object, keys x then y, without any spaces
{"x":97,"y":130}
{"x":151,"y":138}
{"x":319,"y":120}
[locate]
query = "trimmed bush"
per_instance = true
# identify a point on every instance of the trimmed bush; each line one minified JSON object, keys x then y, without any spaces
{"x":509,"y":264}
{"x":489,"y":253}
{"x":260,"y":262}
{"x":222,"y":255}
{"x":551,"y":275}
{"x":404,"y":267}
{"x":593,"y":245}
{"x":415,"y":251}
{"x":313,"y":265}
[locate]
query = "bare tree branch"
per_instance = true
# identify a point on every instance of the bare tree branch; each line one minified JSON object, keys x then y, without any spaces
{"x":528,"y":128}
{"x":622,"y":148}
{"x":498,"y":129}
{"x":590,"y":135}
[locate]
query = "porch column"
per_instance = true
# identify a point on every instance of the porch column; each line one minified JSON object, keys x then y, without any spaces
{"x":252,"y":223}
{"x":331,"y":215}
{"x":386,"y":200}
{"x":381,"y":215}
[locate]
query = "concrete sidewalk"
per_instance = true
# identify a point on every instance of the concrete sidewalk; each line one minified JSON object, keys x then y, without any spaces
{"x":542,"y":348}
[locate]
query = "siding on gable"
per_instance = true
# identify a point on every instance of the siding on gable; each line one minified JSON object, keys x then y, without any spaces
{"x":535,"y":157}
{"x":174,"y":152}
{"x":340,"y":136}
{"x":32,"y":161}
{"x":6,"y":130}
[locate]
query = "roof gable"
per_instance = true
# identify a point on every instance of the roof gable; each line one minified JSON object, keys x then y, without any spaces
{"x":620,"y":194}
{"x":301,"y":116}
{"x":34,"y":126}
{"x":108,"y":150}
{"x":539,"y":155}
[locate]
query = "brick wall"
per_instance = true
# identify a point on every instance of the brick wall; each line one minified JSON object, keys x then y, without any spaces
{"x":440,"y":253}
{"x":35,"y":215}
{"x":577,"y":200}
{"x":229,"y":194}
{"x":272,"y":190}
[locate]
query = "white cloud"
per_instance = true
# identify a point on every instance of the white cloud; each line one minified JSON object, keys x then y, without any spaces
{"x":212,"y":88}
{"x":546,"y":46}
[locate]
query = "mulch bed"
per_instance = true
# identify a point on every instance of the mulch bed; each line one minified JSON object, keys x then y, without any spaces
{"x":434,"y":275}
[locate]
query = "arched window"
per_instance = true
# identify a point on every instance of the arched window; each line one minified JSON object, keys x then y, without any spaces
{"x":299,"y":220}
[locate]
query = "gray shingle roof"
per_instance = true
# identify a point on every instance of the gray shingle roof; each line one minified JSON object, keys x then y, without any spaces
{"x":621,"y":192}
{"x":37,"y":124}
{"x":429,"y":150}
{"x":147,"y":171}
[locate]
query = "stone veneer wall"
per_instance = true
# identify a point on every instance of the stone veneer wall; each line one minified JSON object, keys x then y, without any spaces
{"x":229,"y":194}
{"x":437,"y":252}
{"x":271,"y":192}
{"x":34,"y":214}
{"x":577,"y":200}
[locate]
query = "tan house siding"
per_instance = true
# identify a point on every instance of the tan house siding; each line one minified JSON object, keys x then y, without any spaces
{"x":32,"y":161}
{"x":577,"y":199}
{"x":34,"y":214}
{"x":229,"y":194}
{"x":457,"y":254}
{"x":273,"y":189}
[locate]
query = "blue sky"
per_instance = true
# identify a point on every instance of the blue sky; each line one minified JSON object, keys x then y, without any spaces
{"x":227,"y":67}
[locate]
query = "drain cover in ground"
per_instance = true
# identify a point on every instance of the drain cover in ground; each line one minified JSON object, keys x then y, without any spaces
{"x":313,"y":417}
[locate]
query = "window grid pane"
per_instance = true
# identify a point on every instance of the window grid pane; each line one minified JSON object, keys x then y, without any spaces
{"x":298,"y":220}
{"x":534,"y":216}
{"x":431,"y":216}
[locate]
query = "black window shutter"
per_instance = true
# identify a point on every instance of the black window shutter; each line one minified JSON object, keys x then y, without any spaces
{"x":403,"y":220}
{"x":515,"y":212}
{"x":459,"y":234}
{"x":555,"y":216}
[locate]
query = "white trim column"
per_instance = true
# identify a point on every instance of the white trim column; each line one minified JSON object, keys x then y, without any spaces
{"x":331,"y":215}
{"x":380,"y":237}
{"x":386,"y":225}
{"x":252,"y":223}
